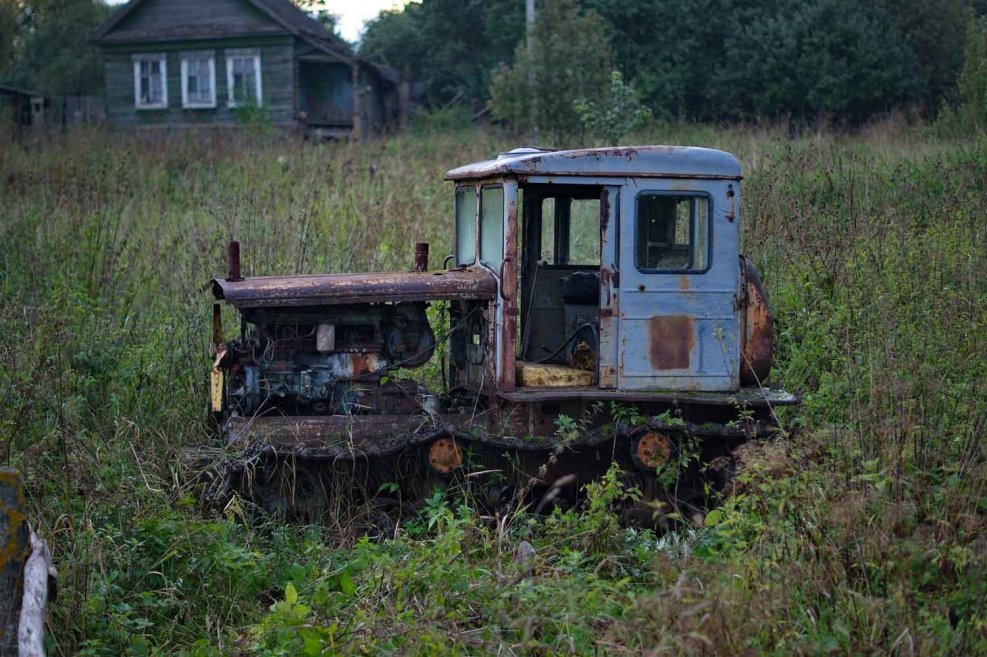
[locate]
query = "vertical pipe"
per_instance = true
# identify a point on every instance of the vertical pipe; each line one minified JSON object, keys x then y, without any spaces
{"x":217,"y":324}
{"x":529,"y":31}
{"x":233,"y":262}
{"x":421,"y":256}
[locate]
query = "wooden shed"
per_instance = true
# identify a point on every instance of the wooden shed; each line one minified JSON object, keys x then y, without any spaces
{"x":224,"y":62}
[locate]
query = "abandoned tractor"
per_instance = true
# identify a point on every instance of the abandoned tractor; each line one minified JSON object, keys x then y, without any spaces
{"x":596,"y":311}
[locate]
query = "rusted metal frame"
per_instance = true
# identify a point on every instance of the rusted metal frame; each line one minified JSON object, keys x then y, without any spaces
{"x":612,"y":177}
{"x":508,"y":302}
{"x":609,"y":285}
{"x":751,"y":397}
{"x":504,"y":313}
{"x":337,"y":289}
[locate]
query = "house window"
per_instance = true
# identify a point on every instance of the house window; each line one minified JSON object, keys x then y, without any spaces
{"x":150,"y":82}
{"x":198,"y":80}
{"x":243,"y":77}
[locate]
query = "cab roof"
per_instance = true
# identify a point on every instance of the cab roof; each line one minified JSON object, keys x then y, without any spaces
{"x":625,"y":161}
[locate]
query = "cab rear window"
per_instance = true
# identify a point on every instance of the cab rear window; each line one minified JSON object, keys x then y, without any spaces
{"x":672,"y":233}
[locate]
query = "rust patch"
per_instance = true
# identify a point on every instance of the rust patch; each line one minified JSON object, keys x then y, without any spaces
{"x":444,"y":455}
{"x":653,"y":450}
{"x":604,"y":214}
{"x":757,"y":346}
{"x":671,"y":340}
{"x":685,"y":283}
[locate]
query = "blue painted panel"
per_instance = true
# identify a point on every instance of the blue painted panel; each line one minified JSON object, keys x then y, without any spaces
{"x":680,"y":330}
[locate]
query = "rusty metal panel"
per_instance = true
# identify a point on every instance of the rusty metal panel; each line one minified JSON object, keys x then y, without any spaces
{"x":670,"y":342}
{"x":328,"y":289}
{"x":757,"y":348}
{"x":609,"y":284}
{"x":507,"y":308}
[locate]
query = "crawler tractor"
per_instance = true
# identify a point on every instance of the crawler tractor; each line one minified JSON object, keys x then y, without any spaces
{"x":596,"y":310}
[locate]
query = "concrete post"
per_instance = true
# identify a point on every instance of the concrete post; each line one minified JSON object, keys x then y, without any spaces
{"x":15,"y":548}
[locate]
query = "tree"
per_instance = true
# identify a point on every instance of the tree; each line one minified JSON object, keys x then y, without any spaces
{"x":619,"y":114}
{"x":54,"y":51}
{"x":806,"y":59}
{"x":318,"y":11}
{"x":569,"y":60}
{"x":973,"y":78}
{"x":9,"y":29}
{"x":450,"y":47}
{"x":935,"y":33}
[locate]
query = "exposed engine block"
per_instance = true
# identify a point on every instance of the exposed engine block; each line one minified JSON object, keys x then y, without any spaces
{"x":330,"y":360}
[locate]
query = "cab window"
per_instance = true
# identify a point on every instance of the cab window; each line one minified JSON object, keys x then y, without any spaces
{"x":570,"y":231}
{"x":465,"y":225}
{"x":492,"y":226}
{"x":672,"y":233}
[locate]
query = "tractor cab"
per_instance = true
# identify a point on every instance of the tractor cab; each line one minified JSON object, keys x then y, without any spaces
{"x":616,"y":269}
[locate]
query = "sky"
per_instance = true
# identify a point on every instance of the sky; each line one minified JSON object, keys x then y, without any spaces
{"x":352,"y":13}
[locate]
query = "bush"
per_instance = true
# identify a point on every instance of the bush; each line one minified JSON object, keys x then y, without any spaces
{"x":569,"y":60}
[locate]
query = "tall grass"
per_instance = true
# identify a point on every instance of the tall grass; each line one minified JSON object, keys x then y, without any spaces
{"x":864,"y":532}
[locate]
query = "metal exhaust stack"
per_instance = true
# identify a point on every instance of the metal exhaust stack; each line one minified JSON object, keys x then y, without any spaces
{"x":421,"y":256}
{"x":233,"y":262}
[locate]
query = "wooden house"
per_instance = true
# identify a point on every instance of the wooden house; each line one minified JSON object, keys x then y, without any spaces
{"x":222,"y":62}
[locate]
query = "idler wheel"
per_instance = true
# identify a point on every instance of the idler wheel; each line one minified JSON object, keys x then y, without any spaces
{"x":651,"y":450}
{"x":444,"y":455}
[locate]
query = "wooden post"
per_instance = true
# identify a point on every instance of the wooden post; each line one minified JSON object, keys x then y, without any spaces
{"x":404,"y":101}
{"x":14,"y":550}
{"x":357,"y":103}
{"x":37,"y":573}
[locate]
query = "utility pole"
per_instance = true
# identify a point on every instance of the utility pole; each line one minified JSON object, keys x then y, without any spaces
{"x":529,"y":32}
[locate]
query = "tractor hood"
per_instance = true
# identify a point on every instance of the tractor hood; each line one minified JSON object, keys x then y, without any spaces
{"x":334,"y":289}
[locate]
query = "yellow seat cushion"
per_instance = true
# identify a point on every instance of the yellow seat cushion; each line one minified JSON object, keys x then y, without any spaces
{"x":543,"y":375}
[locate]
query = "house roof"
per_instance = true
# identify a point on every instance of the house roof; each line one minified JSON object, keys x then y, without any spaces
{"x":286,"y":16}
{"x":7,"y":90}
{"x":627,"y":161}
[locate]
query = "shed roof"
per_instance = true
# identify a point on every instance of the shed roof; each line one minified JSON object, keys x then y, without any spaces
{"x":625,"y":161}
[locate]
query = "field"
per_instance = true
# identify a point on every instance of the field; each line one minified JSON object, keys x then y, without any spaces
{"x":861,"y":532}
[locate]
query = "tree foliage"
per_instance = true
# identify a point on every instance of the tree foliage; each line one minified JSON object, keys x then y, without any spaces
{"x":450,"y":47}
{"x":619,"y":114}
{"x":973,"y":79}
{"x":710,"y":60}
{"x":50,"y":47}
{"x":569,"y":60}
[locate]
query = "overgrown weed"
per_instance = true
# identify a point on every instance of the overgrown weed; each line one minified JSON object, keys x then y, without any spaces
{"x":862,"y":534}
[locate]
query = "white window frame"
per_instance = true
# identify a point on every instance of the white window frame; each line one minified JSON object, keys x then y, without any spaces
{"x":162,"y":59}
{"x":244,"y":54}
{"x":197,"y":56}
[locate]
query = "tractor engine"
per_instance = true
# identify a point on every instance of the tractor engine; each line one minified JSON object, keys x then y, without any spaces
{"x":332,"y":359}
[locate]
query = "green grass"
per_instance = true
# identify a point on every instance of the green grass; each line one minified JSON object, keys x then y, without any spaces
{"x":861,"y":533}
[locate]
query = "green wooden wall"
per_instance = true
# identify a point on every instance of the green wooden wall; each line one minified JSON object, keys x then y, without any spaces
{"x":277,"y":82}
